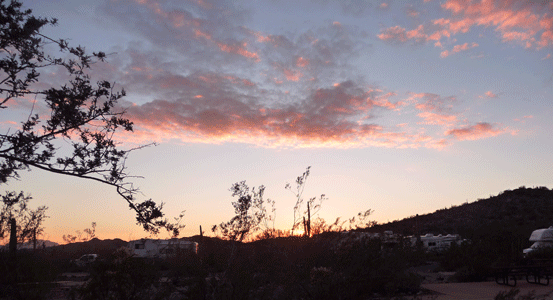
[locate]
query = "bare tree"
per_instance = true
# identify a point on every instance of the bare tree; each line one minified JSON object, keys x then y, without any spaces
{"x":29,"y":222}
{"x":75,"y":136}
{"x":250,"y":213}
{"x":313,"y":205}
{"x":361,"y":220}
{"x":89,"y":233}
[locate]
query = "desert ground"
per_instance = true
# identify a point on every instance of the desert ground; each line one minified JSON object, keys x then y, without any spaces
{"x":481,"y":290}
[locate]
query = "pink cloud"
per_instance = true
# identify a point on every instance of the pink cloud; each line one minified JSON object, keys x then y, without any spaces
{"x":437,"y":144}
{"x":11,"y":123}
{"x":204,"y":4}
{"x":458,"y":48}
{"x":401,"y":35}
{"x":431,"y":118}
{"x":287,"y":99}
{"x":523,"y":119}
{"x":417,"y":34}
{"x":383,"y":101}
{"x":412,"y":13}
{"x":475,"y":132}
{"x":337,"y":117}
{"x":186,"y":26}
{"x":529,"y":23}
{"x":432,"y":102}
{"x":238,"y":49}
{"x":263,"y":39}
{"x":435,"y":110}
{"x":514,"y":20}
{"x":198,"y":33}
{"x":395,"y":33}
{"x":489,"y":94}
{"x":302,"y":62}
{"x":291,"y":75}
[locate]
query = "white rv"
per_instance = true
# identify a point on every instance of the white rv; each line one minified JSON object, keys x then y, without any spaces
{"x":439,"y":242}
{"x":150,"y":248}
{"x":541,"y":238}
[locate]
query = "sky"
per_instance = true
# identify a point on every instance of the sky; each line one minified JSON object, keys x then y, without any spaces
{"x":402,"y":107}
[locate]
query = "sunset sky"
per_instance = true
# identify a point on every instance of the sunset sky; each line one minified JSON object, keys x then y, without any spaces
{"x":403,"y":107}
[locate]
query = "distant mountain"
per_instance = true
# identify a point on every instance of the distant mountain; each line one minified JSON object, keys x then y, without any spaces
{"x":95,"y":246}
{"x":39,"y":244}
{"x":517,"y":212}
{"x":30,"y":245}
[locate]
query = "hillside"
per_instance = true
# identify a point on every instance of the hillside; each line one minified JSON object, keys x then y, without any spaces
{"x":75,"y":250}
{"x":518,"y":212}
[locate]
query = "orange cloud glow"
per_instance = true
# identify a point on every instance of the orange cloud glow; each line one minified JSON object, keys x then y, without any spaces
{"x":395,"y":33}
{"x":458,"y":48}
{"x":515,"y":21}
{"x":475,"y":132}
{"x":240,"y":50}
{"x":263,"y":39}
{"x":302,"y":62}
{"x":199,"y":33}
{"x":489,"y":94}
{"x":437,"y":119}
{"x":291,"y":75}
{"x":338,"y":117}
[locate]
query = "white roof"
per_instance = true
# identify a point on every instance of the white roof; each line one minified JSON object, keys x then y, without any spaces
{"x":545,"y":234}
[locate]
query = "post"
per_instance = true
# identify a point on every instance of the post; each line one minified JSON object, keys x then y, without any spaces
{"x":34,"y":239}
{"x":308,"y":220}
{"x":13,"y":252}
{"x":13,"y":238}
{"x":201,"y":232}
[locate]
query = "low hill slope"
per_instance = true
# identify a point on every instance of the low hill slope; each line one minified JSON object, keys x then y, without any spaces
{"x":518,"y":212}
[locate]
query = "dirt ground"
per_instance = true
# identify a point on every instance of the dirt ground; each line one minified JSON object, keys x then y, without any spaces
{"x":437,"y":283}
{"x":443,"y":287}
{"x":482,"y":290}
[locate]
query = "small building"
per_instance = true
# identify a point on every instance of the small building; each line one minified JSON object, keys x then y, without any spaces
{"x":150,"y":248}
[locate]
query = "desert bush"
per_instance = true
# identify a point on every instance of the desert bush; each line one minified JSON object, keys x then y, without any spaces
{"x":123,"y":277}
{"x":32,"y":278}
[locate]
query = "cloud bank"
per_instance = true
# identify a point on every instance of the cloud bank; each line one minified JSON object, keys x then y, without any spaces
{"x":527,"y":23}
{"x":199,"y":72}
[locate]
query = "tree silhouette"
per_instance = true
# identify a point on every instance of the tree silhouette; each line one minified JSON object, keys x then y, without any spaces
{"x":28,"y":221}
{"x":250,"y":212}
{"x":89,"y":233}
{"x":313,"y":205}
{"x":74,"y":132}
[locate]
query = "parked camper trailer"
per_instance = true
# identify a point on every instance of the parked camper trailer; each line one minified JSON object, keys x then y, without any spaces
{"x":541,"y":238}
{"x":438,"y":243}
{"x":150,"y":248}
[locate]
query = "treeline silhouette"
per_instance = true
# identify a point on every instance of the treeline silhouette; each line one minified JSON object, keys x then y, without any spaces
{"x":334,"y":264}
